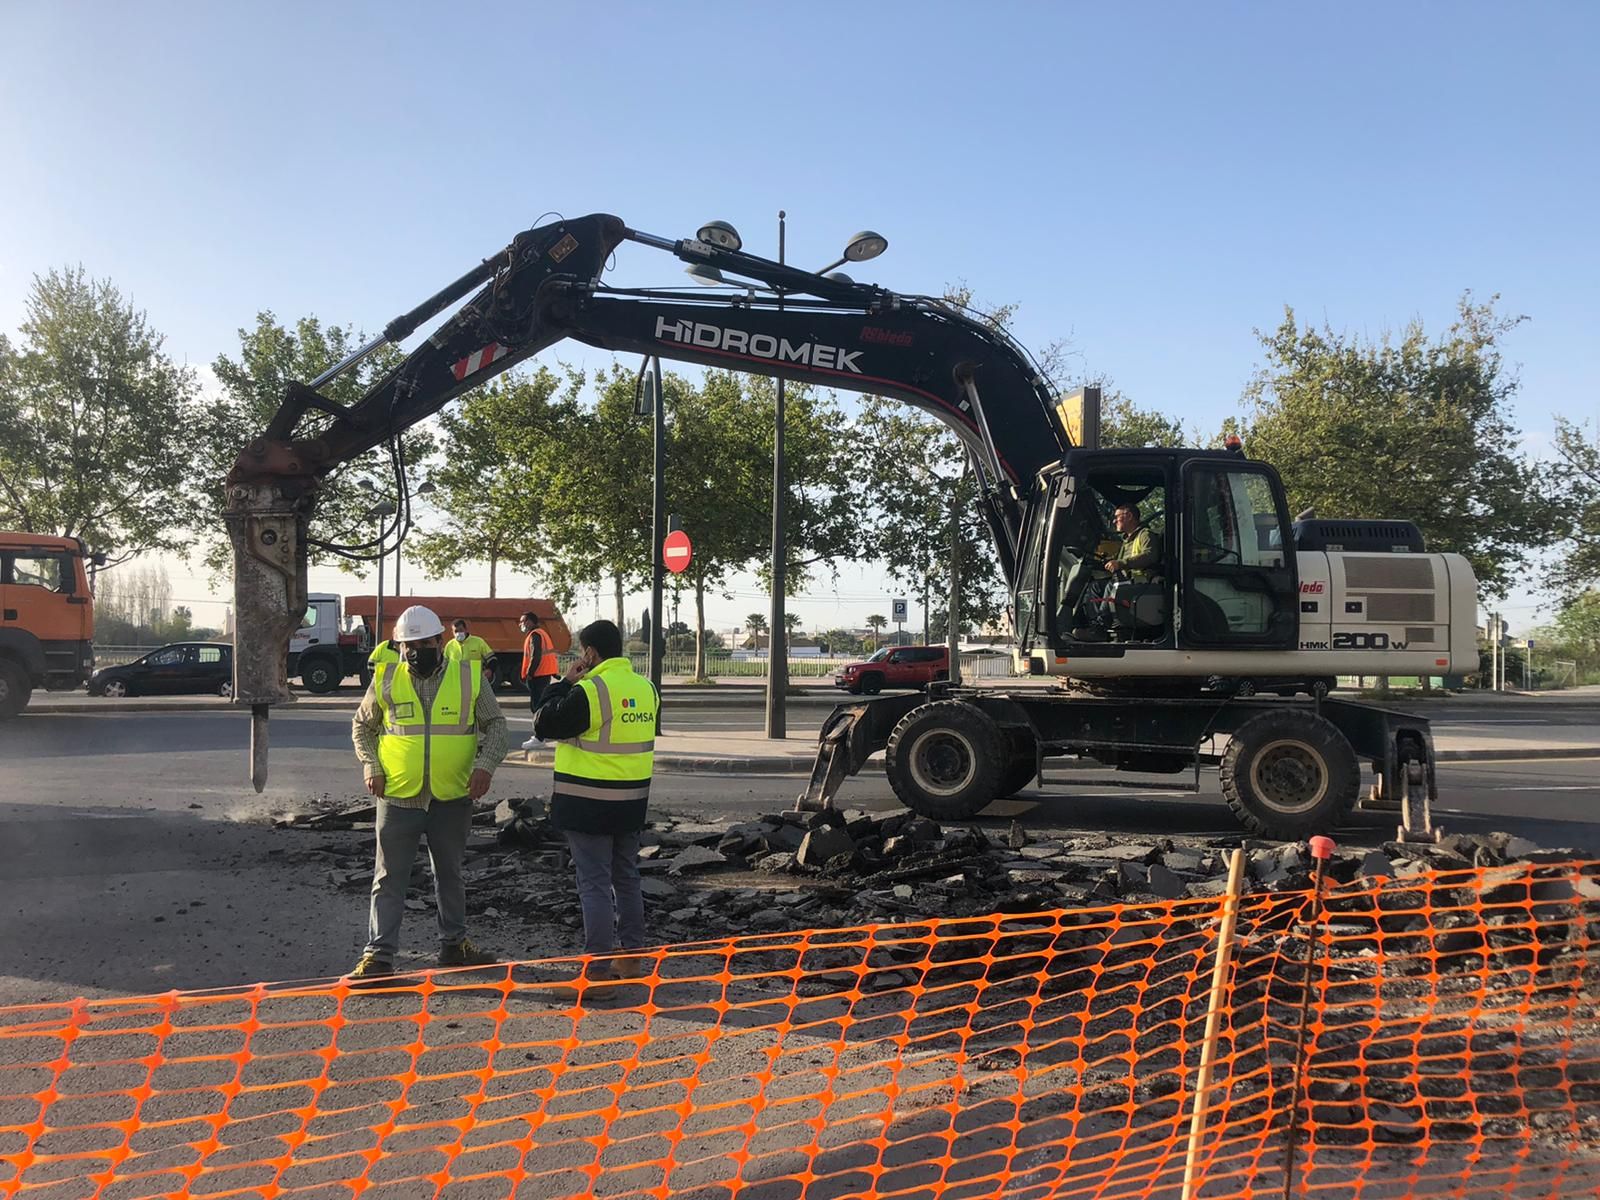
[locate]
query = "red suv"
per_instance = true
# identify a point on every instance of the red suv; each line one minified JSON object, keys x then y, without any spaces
{"x":896,"y":667}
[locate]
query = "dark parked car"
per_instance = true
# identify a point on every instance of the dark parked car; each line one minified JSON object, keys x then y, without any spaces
{"x":181,"y":667}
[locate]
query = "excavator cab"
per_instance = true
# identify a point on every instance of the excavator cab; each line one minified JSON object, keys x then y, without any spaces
{"x":1225,"y":577}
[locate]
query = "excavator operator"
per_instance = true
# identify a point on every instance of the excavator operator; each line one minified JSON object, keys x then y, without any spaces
{"x":1139,"y":558}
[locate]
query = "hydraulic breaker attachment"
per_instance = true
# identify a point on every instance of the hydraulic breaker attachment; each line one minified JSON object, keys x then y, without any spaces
{"x":267,"y":522}
{"x":852,"y":734}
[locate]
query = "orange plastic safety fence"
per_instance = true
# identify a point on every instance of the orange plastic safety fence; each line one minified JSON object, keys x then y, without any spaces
{"x":1453,"y":1050}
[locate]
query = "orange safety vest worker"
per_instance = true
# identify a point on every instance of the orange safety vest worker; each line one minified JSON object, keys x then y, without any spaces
{"x":546,"y":664}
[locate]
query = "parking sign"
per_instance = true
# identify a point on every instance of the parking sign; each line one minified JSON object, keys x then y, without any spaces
{"x":899,"y":611}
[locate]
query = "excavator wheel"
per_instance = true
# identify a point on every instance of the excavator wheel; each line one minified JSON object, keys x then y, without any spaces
{"x":1288,"y":774}
{"x":946,"y":760}
{"x":1018,"y":774}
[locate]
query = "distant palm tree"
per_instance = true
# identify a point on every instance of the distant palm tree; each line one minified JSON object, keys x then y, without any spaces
{"x":757,"y":625}
{"x":877,"y":622}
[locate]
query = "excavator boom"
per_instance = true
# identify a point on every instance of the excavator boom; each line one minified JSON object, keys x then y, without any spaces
{"x":546,"y":286}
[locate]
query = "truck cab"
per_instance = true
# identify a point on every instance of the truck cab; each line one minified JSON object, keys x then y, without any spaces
{"x":320,"y":652}
{"x":46,"y":616}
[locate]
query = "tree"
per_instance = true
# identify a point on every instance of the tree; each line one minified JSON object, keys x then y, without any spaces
{"x":841,"y":642}
{"x":500,"y":445}
{"x":594,"y":483}
{"x":272,"y":356}
{"x":95,"y":422}
{"x":1578,"y":622}
{"x":877,"y":622}
{"x":1577,"y":480}
{"x":791,"y":622}
{"x":915,"y":481}
{"x":719,"y":479}
{"x":1124,"y":423}
{"x":1403,"y":427}
{"x":757,"y":625}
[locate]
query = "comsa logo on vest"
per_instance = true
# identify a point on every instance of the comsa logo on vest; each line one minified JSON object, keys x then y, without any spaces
{"x":757,"y":345}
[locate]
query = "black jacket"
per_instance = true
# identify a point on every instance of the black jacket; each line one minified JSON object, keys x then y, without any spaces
{"x":564,"y":713}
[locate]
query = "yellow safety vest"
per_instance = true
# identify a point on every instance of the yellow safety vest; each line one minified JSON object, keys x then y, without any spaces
{"x":474,"y":649}
{"x":602,"y":776}
{"x":439,"y":743}
{"x":383,"y":655}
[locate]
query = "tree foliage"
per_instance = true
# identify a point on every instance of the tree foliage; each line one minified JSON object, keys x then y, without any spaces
{"x":1577,"y":480}
{"x":94,"y":422}
{"x":913,"y":478}
{"x":1404,"y":427}
{"x":1124,"y":423}
{"x":499,"y":446}
{"x":271,"y":356}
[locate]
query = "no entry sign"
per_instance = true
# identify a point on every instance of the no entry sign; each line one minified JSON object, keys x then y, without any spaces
{"x":675,"y":551}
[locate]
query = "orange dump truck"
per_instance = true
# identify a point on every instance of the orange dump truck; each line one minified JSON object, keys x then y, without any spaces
{"x":46,"y":617}
{"x":495,"y":621}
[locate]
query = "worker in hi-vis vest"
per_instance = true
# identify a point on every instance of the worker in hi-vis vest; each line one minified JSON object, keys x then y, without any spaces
{"x":468,"y":645}
{"x":602,"y":715}
{"x":539,"y":667}
{"x":429,"y":736}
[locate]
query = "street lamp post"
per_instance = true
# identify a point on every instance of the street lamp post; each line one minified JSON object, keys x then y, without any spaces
{"x":379,"y":512}
{"x":777,"y":638}
{"x":426,"y":489}
{"x":862,"y":246}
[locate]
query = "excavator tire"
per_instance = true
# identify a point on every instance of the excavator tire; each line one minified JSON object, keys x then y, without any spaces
{"x":1289,"y":774}
{"x":945,"y":760}
{"x":1018,"y":774}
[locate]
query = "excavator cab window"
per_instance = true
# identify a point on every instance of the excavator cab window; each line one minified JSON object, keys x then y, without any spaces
{"x":1239,"y":573}
{"x":1078,"y":593}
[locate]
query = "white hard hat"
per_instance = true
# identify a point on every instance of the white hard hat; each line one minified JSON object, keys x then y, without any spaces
{"x":417,"y":623}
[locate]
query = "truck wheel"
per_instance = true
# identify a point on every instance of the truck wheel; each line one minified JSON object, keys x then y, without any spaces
{"x":1321,"y":687}
{"x":15,"y":689}
{"x":1018,"y":774}
{"x":872,"y":684}
{"x":319,"y":676}
{"x":1289,"y":775}
{"x":945,"y":760}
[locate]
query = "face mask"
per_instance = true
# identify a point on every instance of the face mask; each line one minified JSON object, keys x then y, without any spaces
{"x":460,"y":637}
{"x":424,"y":660}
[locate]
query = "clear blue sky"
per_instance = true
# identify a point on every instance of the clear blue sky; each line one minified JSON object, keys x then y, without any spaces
{"x":1151,"y":181}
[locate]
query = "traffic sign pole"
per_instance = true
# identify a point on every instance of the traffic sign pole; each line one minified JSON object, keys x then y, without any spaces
{"x":658,"y":634}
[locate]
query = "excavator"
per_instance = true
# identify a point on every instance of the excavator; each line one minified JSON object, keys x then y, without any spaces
{"x":1153,"y":673}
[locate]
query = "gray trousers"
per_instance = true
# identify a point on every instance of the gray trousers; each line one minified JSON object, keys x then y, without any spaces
{"x":446,"y":824}
{"x":608,"y":888}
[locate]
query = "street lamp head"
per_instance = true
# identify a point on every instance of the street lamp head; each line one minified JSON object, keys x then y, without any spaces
{"x":427,"y":489}
{"x":720,"y":234}
{"x":384,"y":508}
{"x":706,"y":276}
{"x":865,"y":245}
{"x":838,"y":277}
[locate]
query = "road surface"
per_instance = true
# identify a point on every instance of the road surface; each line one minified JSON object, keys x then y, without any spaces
{"x":138,"y":859}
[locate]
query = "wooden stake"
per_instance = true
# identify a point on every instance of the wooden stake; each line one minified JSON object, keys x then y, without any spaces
{"x":1208,"y":1048}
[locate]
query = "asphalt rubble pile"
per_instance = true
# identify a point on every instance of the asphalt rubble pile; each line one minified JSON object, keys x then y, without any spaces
{"x":796,"y":871}
{"x":799,"y":870}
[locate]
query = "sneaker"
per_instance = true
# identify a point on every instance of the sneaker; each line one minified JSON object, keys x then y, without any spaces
{"x":532,"y":743}
{"x":371,"y":967}
{"x":465,"y":954}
